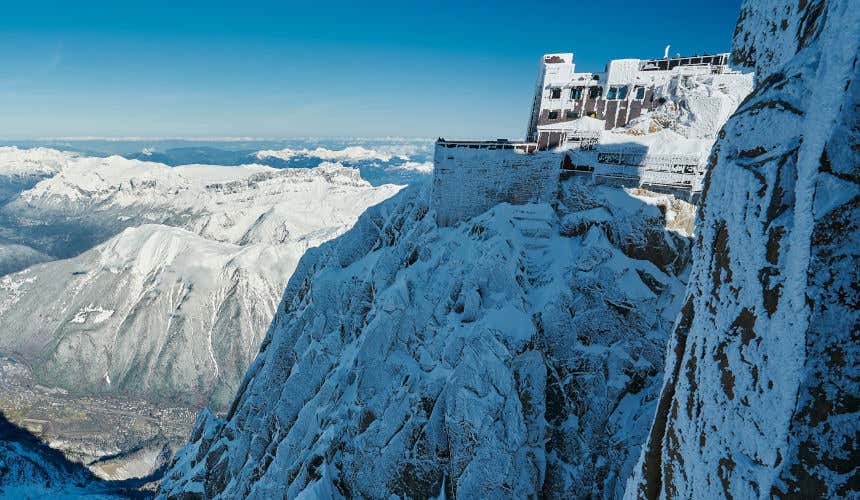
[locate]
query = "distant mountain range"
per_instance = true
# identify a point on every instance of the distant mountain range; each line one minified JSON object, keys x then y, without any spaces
{"x":145,"y":282}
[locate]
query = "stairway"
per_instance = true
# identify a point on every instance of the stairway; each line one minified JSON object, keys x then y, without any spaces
{"x":534,"y":223}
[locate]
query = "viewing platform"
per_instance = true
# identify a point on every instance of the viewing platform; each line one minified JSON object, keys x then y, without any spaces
{"x":520,"y":146}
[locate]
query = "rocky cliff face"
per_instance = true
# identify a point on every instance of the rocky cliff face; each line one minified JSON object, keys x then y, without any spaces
{"x":760,"y":396}
{"x":517,"y":354}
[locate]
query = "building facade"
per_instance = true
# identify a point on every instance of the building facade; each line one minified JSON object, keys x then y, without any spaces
{"x":580,"y":124}
{"x":624,"y":91}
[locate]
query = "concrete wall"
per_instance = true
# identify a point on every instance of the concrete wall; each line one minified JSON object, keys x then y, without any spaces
{"x":468,"y":181}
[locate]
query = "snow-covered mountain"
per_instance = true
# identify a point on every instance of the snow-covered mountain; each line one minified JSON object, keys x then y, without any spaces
{"x":516,"y":354}
{"x":156,"y":312}
{"x":93,"y":199}
{"x":148,"y":287}
{"x":170,"y":311}
{"x":520,"y":353}
{"x":761,"y":389}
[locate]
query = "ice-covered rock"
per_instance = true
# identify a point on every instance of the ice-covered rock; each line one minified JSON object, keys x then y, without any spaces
{"x":509,"y":356}
{"x":761,"y":388}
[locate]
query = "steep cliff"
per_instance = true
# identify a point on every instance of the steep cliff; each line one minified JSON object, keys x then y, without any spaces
{"x":515,"y":354}
{"x":760,"y":396}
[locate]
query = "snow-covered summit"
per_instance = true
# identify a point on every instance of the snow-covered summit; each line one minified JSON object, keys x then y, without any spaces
{"x":354,"y":153}
{"x":513,"y":355}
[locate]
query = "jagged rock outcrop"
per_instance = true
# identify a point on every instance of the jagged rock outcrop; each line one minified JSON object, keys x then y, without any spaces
{"x":517,"y":354}
{"x":761,"y":390}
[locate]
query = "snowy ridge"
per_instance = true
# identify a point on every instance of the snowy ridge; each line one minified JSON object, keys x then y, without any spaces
{"x":217,"y":200}
{"x":89,"y":200}
{"x":513,"y":355}
{"x":15,"y":162}
{"x":760,"y":395}
{"x":350,"y":153}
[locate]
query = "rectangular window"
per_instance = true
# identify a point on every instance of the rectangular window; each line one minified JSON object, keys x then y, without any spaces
{"x":612,"y":94}
{"x":552,"y":115}
{"x":571,"y":114}
{"x":555,"y":93}
{"x":576,"y":93}
{"x":617,"y":93}
{"x":595,"y":92}
{"x":640,"y":93}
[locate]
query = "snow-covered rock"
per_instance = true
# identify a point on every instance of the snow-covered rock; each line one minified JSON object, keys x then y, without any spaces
{"x":761,"y":387}
{"x":516,"y":354}
{"x":31,"y":163}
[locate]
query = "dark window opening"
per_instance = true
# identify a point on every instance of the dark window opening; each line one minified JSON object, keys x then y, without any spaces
{"x":595,"y":92}
{"x":576,"y":93}
{"x":555,"y":93}
{"x":617,"y":93}
{"x":552,"y":115}
{"x":571,"y":114}
{"x":640,"y":93}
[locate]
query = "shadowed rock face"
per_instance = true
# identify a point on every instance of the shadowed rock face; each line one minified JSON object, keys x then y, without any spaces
{"x":761,"y":384}
{"x":32,"y":469}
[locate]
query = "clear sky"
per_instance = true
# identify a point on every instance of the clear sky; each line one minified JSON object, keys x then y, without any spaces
{"x":315,"y":68}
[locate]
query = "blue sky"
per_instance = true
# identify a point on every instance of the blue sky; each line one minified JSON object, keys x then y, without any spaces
{"x":315,"y":68}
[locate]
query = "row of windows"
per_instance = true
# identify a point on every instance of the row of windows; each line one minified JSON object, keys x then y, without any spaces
{"x":569,"y":114}
{"x":616,"y":92}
